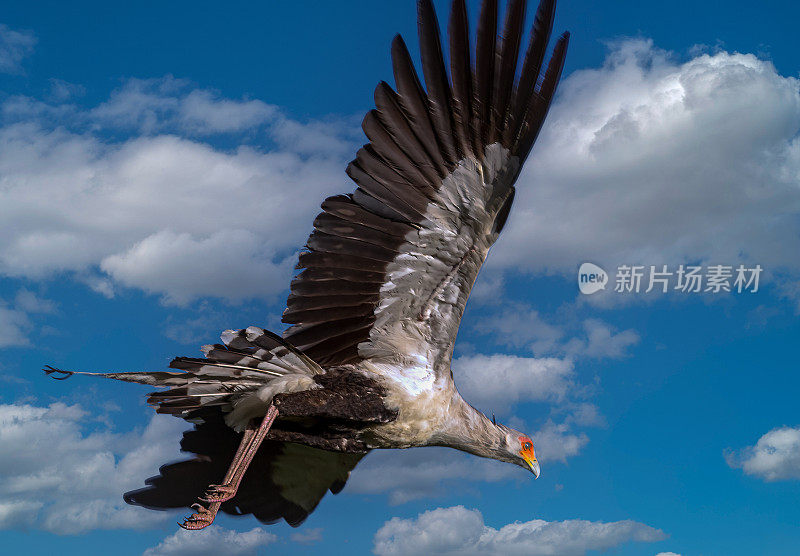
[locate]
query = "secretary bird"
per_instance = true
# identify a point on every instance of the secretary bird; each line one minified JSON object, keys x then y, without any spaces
{"x":365,"y":364}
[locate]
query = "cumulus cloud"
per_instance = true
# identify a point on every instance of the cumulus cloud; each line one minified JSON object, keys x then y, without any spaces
{"x":458,"y":530}
{"x":58,"y":475}
{"x":521,"y":326}
{"x":557,"y":442}
{"x":602,"y":341}
{"x":193,"y":266}
{"x":500,"y":381}
{"x":627,"y":147}
{"x":15,"y":317}
{"x":524,"y":327}
{"x":648,"y":160}
{"x":212,"y":541}
{"x":29,"y":302}
{"x":16,"y":322}
{"x":18,"y":513}
{"x":14,"y":326}
{"x":307,"y":536}
{"x":775,"y":457}
{"x":488,"y":288}
{"x":164,"y":213}
{"x":15,"y":46}
{"x":169,"y":104}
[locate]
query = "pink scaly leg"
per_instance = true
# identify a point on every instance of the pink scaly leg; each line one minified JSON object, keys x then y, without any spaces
{"x":217,"y":494}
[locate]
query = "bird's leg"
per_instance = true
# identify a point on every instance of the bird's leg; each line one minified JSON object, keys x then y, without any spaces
{"x":226,"y":485}
{"x":217,"y":494}
{"x":244,"y":455}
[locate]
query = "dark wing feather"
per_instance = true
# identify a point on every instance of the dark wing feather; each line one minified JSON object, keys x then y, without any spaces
{"x":484,"y":73}
{"x":507,"y":54}
{"x":391,"y":115}
{"x":531,"y":67}
{"x":461,"y":72}
{"x":541,"y":99}
{"x":389,"y":268}
{"x":436,"y":81}
{"x":284,"y":481}
{"x":415,"y":102}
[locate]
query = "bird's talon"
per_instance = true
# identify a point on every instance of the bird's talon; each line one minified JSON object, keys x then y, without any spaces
{"x":202,"y":518}
{"x":218,"y":493}
{"x":194,"y":524}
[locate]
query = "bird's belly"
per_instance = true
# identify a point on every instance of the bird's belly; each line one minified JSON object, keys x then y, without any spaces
{"x":419,"y":420}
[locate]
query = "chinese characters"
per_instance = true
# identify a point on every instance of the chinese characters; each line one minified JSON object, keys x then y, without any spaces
{"x":687,"y":279}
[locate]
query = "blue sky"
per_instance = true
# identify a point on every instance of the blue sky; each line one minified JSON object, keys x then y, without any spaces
{"x":160,"y":167}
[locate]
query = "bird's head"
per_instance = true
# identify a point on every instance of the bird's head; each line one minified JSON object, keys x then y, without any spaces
{"x":519,"y":448}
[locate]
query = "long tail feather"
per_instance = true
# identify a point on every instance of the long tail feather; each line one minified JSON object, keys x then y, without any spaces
{"x":157,"y":378}
{"x":246,"y":361}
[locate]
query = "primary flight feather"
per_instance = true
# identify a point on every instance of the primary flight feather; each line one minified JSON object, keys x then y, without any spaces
{"x":374,"y":312}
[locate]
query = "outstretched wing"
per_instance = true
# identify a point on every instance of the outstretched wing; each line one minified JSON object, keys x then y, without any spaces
{"x":388,"y":268}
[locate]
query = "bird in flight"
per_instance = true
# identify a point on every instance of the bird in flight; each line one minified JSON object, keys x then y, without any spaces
{"x":281,"y":420}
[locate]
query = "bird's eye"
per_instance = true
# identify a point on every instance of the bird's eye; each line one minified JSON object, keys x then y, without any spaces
{"x":527,"y":446}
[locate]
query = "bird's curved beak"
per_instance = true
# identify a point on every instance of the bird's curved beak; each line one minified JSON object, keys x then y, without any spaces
{"x":534,"y":465}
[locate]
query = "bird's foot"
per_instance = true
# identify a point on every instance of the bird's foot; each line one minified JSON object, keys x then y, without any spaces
{"x":218,"y":493}
{"x":201,"y":519}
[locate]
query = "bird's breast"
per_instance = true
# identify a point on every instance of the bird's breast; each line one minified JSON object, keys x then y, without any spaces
{"x":422,"y":407}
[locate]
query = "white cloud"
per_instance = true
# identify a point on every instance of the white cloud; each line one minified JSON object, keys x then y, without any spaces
{"x":488,"y":288}
{"x":602,"y":341}
{"x":458,"y":530}
{"x":61,"y":90}
{"x":29,"y":302}
{"x":524,"y":327}
{"x":212,"y":541}
{"x":556,"y":442}
{"x":15,"y":321}
{"x":521,"y":326}
{"x":58,"y":476}
{"x":169,"y":215}
{"x":307,"y":536}
{"x":170,"y":104}
{"x":651,"y":161}
{"x":18,"y":513}
{"x":775,"y":457}
{"x":183,"y":267}
{"x":14,"y":327}
{"x":627,"y":147}
{"x":15,"y":46}
{"x":497,"y":382}
{"x":668,"y":554}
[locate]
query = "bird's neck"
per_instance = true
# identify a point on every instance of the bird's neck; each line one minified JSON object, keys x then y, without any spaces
{"x":469,"y":430}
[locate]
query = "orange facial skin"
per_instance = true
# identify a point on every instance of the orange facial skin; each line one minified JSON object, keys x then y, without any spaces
{"x":528,"y":455}
{"x":526,"y":449}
